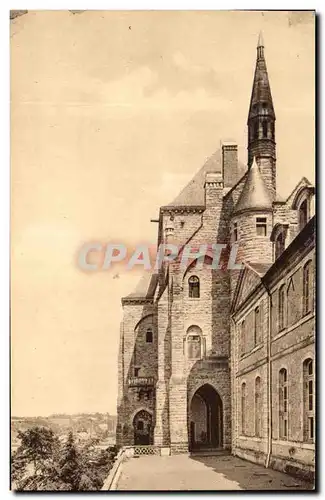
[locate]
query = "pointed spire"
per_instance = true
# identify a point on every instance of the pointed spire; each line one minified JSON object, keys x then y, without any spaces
{"x":260,"y":42}
{"x":261,"y":93}
{"x":255,"y":195}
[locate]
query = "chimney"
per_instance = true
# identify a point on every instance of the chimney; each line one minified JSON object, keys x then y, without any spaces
{"x":213,"y":189}
{"x":229,"y":163}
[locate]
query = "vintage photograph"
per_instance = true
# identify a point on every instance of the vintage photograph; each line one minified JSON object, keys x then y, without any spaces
{"x":163,"y":260}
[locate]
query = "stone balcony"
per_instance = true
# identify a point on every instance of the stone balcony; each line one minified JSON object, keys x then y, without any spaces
{"x":141,"y":382}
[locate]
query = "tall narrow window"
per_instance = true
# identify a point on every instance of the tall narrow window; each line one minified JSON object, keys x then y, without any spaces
{"x":258,"y":407}
{"x":242,"y":339}
{"x":234,"y":236}
{"x":149,"y":335}
{"x":283,"y":404}
{"x":279,"y":245}
{"x":281,"y":310}
{"x":243,"y":408}
{"x":261,"y":228}
{"x":194,"y":287}
{"x":257,"y":326}
{"x":309,"y":400}
{"x":307,"y":288}
{"x":303,"y":214}
{"x":264,"y":127}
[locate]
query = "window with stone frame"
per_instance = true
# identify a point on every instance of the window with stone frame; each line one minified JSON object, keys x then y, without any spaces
{"x":194,"y":347}
{"x":243,"y":408}
{"x":261,"y":226}
{"x":307,"y":288}
{"x":281,"y":308}
{"x":309,"y":400}
{"x":258,"y":407}
{"x":283,"y":404}
{"x":194,"y":287}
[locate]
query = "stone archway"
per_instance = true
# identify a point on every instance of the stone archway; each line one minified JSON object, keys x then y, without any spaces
{"x":206,"y":419}
{"x":142,"y":426}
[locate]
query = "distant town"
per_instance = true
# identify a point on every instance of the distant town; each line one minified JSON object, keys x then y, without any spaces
{"x":85,"y":426}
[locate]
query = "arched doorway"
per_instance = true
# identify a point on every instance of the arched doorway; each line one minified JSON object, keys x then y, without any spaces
{"x":142,"y":425}
{"x":206,"y":422}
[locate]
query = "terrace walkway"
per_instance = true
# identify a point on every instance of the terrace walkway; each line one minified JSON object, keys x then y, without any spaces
{"x":183,"y":472}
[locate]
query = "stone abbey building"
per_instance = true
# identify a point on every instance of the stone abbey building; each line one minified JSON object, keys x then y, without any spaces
{"x":218,"y":358}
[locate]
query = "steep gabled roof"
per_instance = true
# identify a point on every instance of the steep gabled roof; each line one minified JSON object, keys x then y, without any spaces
{"x":255,"y":195}
{"x":193,"y":193}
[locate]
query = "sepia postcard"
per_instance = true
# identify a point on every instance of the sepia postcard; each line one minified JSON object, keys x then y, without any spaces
{"x":163,"y":260}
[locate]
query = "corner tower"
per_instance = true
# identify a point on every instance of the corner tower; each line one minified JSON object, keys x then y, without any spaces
{"x":261,"y":123}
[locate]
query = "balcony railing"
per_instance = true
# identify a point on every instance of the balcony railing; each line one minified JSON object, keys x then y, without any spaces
{"x":141,"y":382}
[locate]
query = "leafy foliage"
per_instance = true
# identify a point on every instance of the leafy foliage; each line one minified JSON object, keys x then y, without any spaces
{"x":42,"y":463}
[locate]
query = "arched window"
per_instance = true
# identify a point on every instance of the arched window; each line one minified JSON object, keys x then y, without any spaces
{"x":243,"y":408}
{"x":303,"y":214}
{"x":194,"y":287}
{"x":264,"y":128}
{"x":279,"y":245}
{"x":257,"y":326}
{"x":309,"y":400}
{"x":307,"y":282}
{"x":283,"y":404}
{"x":258,"y":407}
{"x":149,"y":335}
{"x":281,"y":310}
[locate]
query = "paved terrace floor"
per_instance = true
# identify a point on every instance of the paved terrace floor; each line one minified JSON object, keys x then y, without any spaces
{"x":182,"y":472}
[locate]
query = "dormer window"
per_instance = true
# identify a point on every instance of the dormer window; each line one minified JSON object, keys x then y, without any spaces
{"x":279,"y":245}
{"x":261,"y":227}
{"x":194,"y":287}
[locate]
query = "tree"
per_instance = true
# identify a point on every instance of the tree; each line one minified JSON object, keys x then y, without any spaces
{"x":70,"y":466}
{"x":34,"y":458}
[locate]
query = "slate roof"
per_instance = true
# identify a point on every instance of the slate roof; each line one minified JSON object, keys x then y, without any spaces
{"x":193,"y":193}
{"x":255,"y":195}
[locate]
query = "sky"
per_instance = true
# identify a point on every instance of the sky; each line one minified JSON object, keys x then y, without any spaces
{"x":111,"y":114}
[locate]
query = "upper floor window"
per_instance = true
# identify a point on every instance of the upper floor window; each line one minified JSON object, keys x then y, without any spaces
{"x":279,"y":245}
{"x":283,"y":404}
{"x":194,"y":287}
{"x":309,"y":400}
{"x":261,"y":228}
{"x":281,"y":309}
{"x":303,"y":214}
{"x":136,"y":372}
{"x":256,"y":127}
{"x":149,"y":335}
{"x":257,"y":326}
{"x":307,"y":281}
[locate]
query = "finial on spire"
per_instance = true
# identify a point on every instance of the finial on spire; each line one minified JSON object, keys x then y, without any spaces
{"x":260,"y":42}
